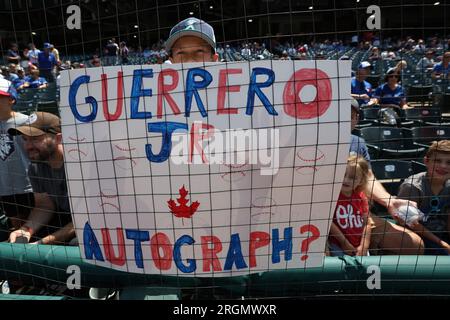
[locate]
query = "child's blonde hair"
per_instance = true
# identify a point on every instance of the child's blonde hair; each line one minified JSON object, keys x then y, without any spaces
{"x":442,"y":146}
{"x":362,"y":168}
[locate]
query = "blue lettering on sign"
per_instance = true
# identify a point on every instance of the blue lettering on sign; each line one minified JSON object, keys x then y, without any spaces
{"x":90,"y":243}
{"x":166,"y":128}
{"x":137,"y":92}
{"x":255,"y":88}
{"x":281,"y":245}
{"x":73,"y":101}
{"x":138,"y":237}
{"x":192,"y":87}
{"x":192,"y":265}
{"x":234,"y":255}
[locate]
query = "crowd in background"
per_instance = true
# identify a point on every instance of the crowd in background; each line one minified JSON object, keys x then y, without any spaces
{"x":33,"y":68}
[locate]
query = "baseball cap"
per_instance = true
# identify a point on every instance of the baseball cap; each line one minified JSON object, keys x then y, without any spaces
{"x":7,"y":89}
{"x":391,"y":71}
{"x":38,"y":123}
{"x":47,"y":45}
{"x":364,"y":64}
{"x":192,"y":27}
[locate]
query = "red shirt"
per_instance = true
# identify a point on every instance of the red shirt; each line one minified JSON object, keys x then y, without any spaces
{"x":349,"y":217}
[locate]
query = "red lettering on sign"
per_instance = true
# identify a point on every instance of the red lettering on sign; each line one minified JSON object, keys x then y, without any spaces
{"x":303,"y":77}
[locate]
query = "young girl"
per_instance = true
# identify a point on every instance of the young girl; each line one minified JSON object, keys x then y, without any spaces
{"x":351,"y":227}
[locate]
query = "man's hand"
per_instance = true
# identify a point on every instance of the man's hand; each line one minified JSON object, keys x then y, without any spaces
{"x":20,"y":236}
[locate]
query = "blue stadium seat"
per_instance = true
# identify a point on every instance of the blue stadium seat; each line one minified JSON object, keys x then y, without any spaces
{"x":391,"y":173}
{"x":422,"y":117}
{"x":390,"y":143}
{"x":423,"y":136}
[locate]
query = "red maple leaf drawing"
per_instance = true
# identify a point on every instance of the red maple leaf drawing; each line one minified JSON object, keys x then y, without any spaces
{"x":183,"y":210}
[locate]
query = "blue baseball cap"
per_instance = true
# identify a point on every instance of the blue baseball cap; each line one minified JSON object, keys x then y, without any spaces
{"x":7,"y":89}
{"x":47,"y":45}
{"x":192,"y":27}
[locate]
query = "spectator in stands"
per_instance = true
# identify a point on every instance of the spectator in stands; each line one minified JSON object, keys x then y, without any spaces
{"x":352,"y":225}
{"x":47,"y":63}
{"x":374,"y":54}
{"x":426,"y":63}
{"x":285,"y":56}
{"x":49,"y":221}
{"x":420,"y":47}
{"x":391,"y":93}
{"x":25,"y":60}
{"x":33,"y":54}
{"x":96,"y":62}
{"x":12,"y":68}
{"x":35,"y":81}
{"x":386,"y":236}
{"x":246,"y":52}
{"x":400,"y":68}
{"x":20,"y":83}
{"x":16,"y":196}
{"x":55,"y":53}
{"x":192,"y":40}
{"x":361,"y":89}
{"x":4,"y":72}
{"x":124,"y":51}
{"x":431,"y":191}
{"x":112,"y":52}
{"x":442,"y":69}
{"x":13,"y":55}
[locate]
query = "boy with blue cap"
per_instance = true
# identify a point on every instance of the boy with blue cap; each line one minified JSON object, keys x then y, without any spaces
{"x":192,"y":40}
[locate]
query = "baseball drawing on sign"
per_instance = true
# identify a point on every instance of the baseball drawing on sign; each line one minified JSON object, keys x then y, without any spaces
{"x":234,"y":172}
{"x":76,"y":153}
{"x":262,"y":207}
{"x":311,"y":159}
{"x":122,"y":157}
{"x":109,"y":200}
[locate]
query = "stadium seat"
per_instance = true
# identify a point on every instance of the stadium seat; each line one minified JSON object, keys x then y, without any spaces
{"x":368,"y":117}
{"x":48,"y":106}
{"x":389,"y":142}
{"x":420,"y":93}
{"x":423,"y":136}
{"x":27,"y":94}
{"x":422,"y":116}
{"x":24,"y":106}
{"x":391,"y":173}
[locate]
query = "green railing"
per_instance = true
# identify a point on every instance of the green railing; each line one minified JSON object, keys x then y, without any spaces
{"x":403,"y":275}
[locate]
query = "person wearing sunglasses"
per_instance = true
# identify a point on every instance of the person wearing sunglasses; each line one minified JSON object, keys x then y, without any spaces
{"x":391,"y":93}
{"x":431,"y":191}
{"x":442,"y":69}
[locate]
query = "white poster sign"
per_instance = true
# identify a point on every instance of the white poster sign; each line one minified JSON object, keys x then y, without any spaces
{"x":205,"y":169}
